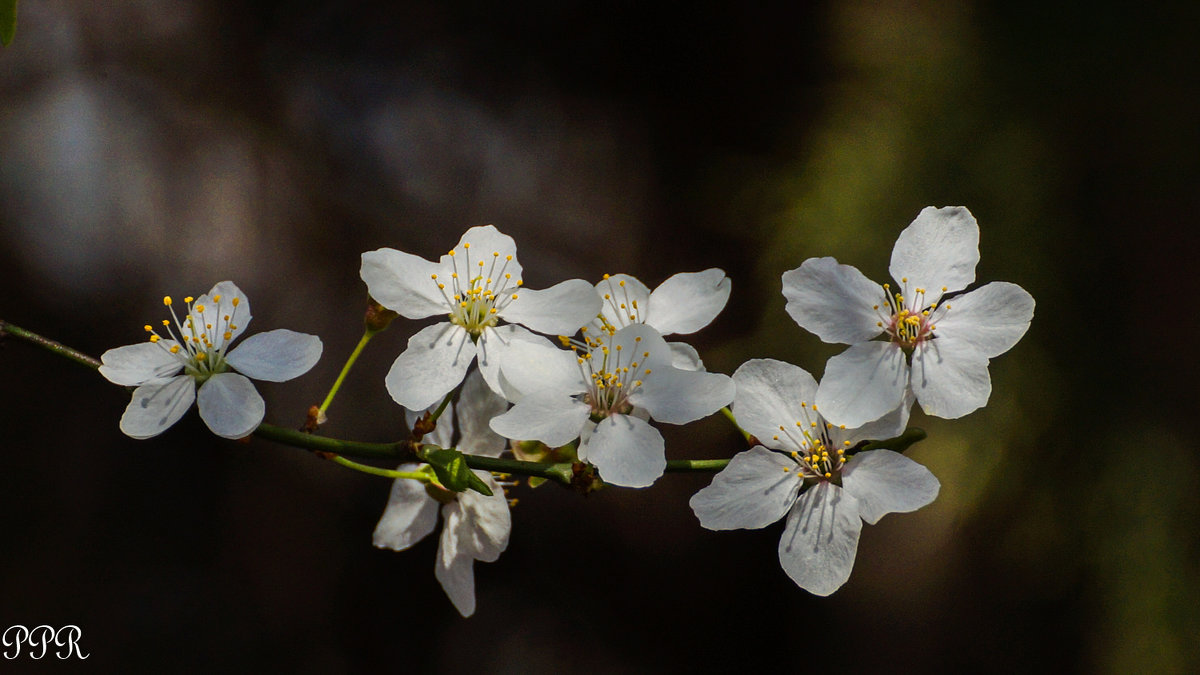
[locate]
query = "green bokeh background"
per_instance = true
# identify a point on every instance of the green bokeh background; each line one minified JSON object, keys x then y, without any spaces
{"x":149,"y":150}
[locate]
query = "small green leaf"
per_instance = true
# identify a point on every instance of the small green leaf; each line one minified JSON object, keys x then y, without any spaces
{"x":453,"y":473}
{"x":8,"y":21}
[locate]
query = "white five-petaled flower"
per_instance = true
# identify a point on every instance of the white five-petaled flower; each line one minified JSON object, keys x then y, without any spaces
{"x":476,"y":285}
{"x":803,"y":469}
{"x":683,"y":304}
{"x":476,"y":527}
{"x":950,"y":342}
{"x":602,"y":394}
{"x":194,"y":353}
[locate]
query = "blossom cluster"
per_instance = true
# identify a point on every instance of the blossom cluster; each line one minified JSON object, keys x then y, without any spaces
{"x":583,"y":373}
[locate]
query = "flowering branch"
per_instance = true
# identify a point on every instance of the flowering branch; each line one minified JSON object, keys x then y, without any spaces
{"x":56,"y":347}
{"x":566,"y":473}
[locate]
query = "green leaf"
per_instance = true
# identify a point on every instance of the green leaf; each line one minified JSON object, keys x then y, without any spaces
{"x":453,"y":473}
{"x":8,"y":21}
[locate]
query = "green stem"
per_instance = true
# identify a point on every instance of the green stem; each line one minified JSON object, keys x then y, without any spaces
{"x":337,"y":384}
{"x":400,"y":450}
{"x":561,"y":472}
{"x":696,"y":465}
{"x":376,"y":471}
{"x":56,"y":347}
{"x":442,"y":408}
{"x":729,"y":416}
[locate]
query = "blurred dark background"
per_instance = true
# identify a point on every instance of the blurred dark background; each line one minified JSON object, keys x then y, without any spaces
{"x":154,"y":147}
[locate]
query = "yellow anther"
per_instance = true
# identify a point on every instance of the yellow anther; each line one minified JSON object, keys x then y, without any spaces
{"x":166,"y":323}
{"x":520,"y":282}
{"x":200,"y":356}
{"x":148,"y":328}
{"x":495,"y":254}
{"x":843,"y":426}
{"x":647,"y":372}
{"x":785,"y":469}
{"x":621,"y":283}
{"x":216,"y":298}
{"x":508,"y":257}
{"x":236,"y":301}
{"x":879,"y":323}
{"x":433,"y":276}
{"x":874,"y":306}
{"x":466,"y":244}
{"x":943,"y":289}
{"x":154,"y":338}
{"x":514,"y":296}
{"x":228,"y":336}
{"x":167,"y":301}
{"x":827,"y":474}
{"x":775,"y":437}
{"x":174,"y":349}
{"x":904,"y":280}
{"x":637,"y":339}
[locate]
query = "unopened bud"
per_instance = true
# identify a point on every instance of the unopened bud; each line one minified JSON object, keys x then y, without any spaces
{"x":378,"y":317}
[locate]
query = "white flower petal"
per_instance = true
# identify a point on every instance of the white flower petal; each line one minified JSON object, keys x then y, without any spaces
{"x":561,"y":309}
{"x":940,"y":248}
{"x":835,"y":302}
{"x":950,"y":377}
{"x":435,"y":362}
{"x":403,"y":283}
{"x":477,"y":405}
{"x":886,"y":482}
{"x":515,"y":362}
{"x":476,"y":528}
{"x":409,"y":516}
{"x":668,"y":393}
{"x":230,"y":405}
{"x":492,"y":247}
{"x":554,"y":419}
{"x":486,"y":521}
{"x":863,"y":383}
{"x":769,"y":394}
{"x":456,"y":573}
{"x":685,"y":357}
{"x":992,"y":317}
{"x":276,"y":356}
{"x":627,"y":451}
{"x":624,"y":300}
{"x":145,"y":362}
{"x":681,"y":396}
{"x":216,"y":311}
{"x":155,"y":407}
{"x":688,"y":301}
{"x":888,"y":426}
{"x":756,"y":489}
{"x":820,"y":539}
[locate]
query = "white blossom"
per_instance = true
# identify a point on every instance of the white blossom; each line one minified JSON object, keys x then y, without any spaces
{"x":475,"y":285}
{"x":948,"y":342}
{"x":603,"y":395}
{"x":193,"y":353}
{"x":806,"y":468}
{"x":476,"y":526}
{"x":682,"y":304}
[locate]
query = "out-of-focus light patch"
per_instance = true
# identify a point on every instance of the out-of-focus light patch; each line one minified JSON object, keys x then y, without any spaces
{"x":78,"y":183}
{"x":1142,"y":492}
